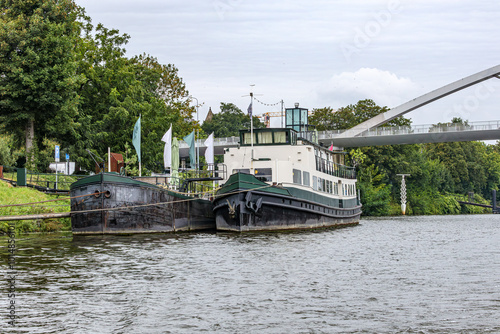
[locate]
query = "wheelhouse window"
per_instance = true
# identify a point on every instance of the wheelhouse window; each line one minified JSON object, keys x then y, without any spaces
{"x":247,"y":138}
{"x":265,"y":137}
{"x":280,"y":137}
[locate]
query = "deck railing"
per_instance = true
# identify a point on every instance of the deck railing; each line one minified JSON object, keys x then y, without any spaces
{"x":416,"y":129}
{"x":335,"y":169}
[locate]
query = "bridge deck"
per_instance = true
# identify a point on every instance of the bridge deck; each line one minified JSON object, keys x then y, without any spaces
{"x":489,"y":130}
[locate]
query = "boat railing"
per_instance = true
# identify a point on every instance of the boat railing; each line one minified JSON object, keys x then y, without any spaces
{"x":311,"y":136}
{"x":201,"y":182}
{"x":335,"y":169}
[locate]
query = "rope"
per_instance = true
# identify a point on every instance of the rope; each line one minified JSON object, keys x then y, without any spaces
{"x":133,"y":206}
{"x":163,"y":203}
{"x":51,"y":200}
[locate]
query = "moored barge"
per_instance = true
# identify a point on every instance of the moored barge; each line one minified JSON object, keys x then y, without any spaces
{"x":123,"y":205}
{"x":282,"y":179}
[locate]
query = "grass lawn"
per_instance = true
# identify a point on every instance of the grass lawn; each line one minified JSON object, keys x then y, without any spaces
{"x":20,"y":195}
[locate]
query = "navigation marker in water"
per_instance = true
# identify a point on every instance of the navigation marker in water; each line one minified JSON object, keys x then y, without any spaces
{"x":403,"y":193}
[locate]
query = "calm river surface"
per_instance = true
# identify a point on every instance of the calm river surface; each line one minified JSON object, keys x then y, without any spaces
{"x":434,"y":274}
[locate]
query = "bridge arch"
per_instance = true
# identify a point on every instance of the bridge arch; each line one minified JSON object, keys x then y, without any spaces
{"x":493,"y":72}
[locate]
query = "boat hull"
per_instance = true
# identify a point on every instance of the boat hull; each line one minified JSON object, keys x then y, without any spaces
{"x":121,"y":205}
{"x":258,"y":209}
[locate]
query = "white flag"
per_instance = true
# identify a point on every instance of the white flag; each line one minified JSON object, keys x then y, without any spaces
{"x":209,"y":153}
{"x":167,"y":152}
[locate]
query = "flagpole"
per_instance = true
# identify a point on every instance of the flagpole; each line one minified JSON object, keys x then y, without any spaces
{"x":250,"y":113}
{"x":251,"y":122}
{"x":140,"y":142}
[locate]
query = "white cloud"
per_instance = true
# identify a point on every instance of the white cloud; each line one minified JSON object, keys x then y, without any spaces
{"x":292,"y":51}
{"x":384,"y":87}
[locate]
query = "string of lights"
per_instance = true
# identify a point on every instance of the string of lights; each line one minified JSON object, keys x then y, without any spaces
{"x":267,"y":104}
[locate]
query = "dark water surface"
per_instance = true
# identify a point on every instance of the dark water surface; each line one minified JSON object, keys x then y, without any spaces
{"x":435,"y":274}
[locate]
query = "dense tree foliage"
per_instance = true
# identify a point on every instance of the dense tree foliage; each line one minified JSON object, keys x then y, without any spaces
{"x":229,"y":121}
{"x":351,"y":115}
{"x":67,"y":82}
{"x":439,"y":172}
{"x":39,"y":77}
{"x":117,"y":90}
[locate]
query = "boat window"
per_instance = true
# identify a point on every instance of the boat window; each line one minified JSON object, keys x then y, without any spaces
{"x":297,"y":176}
{"x":306,"y":178}
{"x":315,"y":182}
{"x":289,"y":118}
{"x":264,"y":174}
{"x":244,"y":171}
{"x":247,"y":138}
{"x":265,"y":137}
{"x":280,"y":137}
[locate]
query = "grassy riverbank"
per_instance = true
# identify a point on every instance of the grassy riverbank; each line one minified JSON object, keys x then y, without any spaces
{"x":19,"y":195}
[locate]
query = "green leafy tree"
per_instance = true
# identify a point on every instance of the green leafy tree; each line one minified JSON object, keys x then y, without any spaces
{"x":229,"y":121}
{"x":7,"y":156}
{"x":324,"y":119}
{"x":375,"y":194}
{"x":351,"y":115}
{"x":39,"y":78}
{"x":117,"y":90}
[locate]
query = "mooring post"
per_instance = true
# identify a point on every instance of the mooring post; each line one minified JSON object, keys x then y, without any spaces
{"x":403,"y":193}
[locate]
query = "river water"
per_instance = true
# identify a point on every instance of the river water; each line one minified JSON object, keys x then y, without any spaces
{"x":433,"y":274}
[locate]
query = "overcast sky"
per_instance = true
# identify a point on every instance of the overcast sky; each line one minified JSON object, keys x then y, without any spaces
{"x":319,"y":53}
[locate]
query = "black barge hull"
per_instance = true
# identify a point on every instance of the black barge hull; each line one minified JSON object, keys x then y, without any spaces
{"x":242,"y":209}
{"x":121,"y":205}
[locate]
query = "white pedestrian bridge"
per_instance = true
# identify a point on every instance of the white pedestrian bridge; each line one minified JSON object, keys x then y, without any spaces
{"x":487,"y":130}
{"x":371,"y":133}
{"x":430,"y":133}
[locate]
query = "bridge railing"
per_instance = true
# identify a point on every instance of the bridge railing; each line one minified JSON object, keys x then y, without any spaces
{"x":425,"y":128}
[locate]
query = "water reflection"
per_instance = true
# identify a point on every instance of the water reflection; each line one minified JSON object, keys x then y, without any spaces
{"x":409,"y":274}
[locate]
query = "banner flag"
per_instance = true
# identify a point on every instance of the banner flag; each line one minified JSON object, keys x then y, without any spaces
{"x":189,"y":139}
{"x":209,"y":153}
{"x":167,"y":151}
{"x":136,"y":138}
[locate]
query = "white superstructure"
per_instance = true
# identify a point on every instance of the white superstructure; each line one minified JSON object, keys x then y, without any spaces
{"x":279,"y":157}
